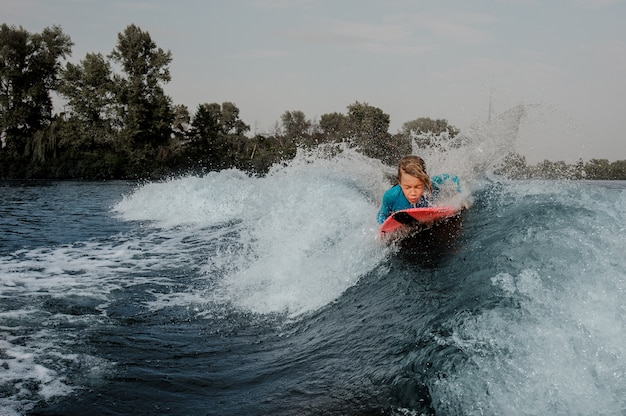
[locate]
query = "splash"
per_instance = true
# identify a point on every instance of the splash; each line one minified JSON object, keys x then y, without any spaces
{"x":306,"y":231}
{"x":311,"y":238}
{"x":289,"y":242}
{"x":474,"y":153}
{"x":554,"y":340}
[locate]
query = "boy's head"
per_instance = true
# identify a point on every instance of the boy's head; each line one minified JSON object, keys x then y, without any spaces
{"x":407,"y":162}
{"x":412,"y":178}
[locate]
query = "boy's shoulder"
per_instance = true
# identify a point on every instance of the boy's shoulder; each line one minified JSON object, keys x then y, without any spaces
{"x":391,"y":195}
{"x":393,"y":191}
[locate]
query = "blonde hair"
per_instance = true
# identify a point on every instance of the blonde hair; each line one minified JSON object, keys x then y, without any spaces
{"x":416,"y":167}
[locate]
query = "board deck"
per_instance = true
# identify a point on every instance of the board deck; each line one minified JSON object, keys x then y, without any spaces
{"x":413,"y":217}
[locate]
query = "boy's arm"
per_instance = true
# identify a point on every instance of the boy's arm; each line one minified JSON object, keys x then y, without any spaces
{"x":385,"y":207}
{"x":383,"y":213}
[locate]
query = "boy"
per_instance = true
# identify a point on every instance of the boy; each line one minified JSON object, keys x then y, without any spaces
{"x":412,"y":182}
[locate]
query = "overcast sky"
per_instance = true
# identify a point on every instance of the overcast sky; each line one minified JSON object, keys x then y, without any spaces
{"x":410,"y":58}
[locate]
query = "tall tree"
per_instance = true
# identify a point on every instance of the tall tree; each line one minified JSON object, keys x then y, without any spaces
{"x":429,"y":125}
{"x":369,"y":127}
{"x":215,"y":132}
{"x":29,"y":70}
{"x":229,"y":120}
{"x":598,"y":169}
{"x":514,"y":166}
{"x":426,"y":131}
{"x":618,"y":170}
{"x":144,"y":109}
{"x":205,"y":125}
{"x":182,"y":120}
{"x":88,"y":88}
{"x":367,"y":122}
{"x":334,"y":126}
{"x":295,"y":124}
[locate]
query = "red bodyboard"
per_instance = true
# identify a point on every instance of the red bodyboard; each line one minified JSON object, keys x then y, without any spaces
{"x":415,"y":216}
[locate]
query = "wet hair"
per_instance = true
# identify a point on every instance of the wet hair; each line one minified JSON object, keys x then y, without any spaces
{"x":410,"y":160}
{"x":416,"y":167}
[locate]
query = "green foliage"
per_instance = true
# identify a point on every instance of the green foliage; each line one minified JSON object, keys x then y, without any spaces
{"x":181,"y":123}
{"x":260,"y":153}
{"x":427,"y":132}
{"x":89,"y":89}
{"x":229,"y":121}
{"x":295,"y":125}
{"x":145,"y":112}
{"x":335,"y":126}
{"x":215,"y":136}
{"x":364,"y":127}
{"x":120,"y":124}
{"x":368,"y":125}
{"x":428,"y":125}
{"x":598,"y":167}
{"x":514,"y":166}
{"x":29,"y":67}
{"x":618,"y":170}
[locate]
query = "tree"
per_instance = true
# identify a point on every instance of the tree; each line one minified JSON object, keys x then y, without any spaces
{"x":514,"y":166}
{"x":144,"y":110}
{"x":91,"y":123}
{"x":334,"y":126}
{"x":367,"y":123}
{"x":29,"y":69}
{"x":598,"y":169}
{"x":396,"y":147}
{"x":212,"y":121}
{"x":229,"y":120}
{"x":182,"y":120}
{"x":426,"y":132}
{"x":215,"y":131}
{"x":618,"y":170}
{"x":295,"y":124}
{"x":369,"y":129}
{"x":579,"y":169}
{"x":205,"y":125}
{"x":428,"y":125}
{"x":89,"y":90}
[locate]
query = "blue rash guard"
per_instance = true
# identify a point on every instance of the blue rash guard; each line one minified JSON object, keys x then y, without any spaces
{"x":394,"y":199}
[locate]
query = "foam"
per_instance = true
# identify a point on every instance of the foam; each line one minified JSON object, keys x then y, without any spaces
{"x":557,"y":346}
{"x":297,"y":229}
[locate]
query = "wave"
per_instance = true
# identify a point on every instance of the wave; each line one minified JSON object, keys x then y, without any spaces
{"x":527,"y":316}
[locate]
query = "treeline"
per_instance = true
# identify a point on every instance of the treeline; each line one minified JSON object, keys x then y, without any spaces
{"x":516,"y":167}
{"x":118,"y":123}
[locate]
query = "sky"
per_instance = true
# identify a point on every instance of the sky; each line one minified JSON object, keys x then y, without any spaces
{"x":443,"y":59}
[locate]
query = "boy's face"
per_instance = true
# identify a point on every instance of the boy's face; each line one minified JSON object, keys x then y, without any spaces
{"x":412,"y":187}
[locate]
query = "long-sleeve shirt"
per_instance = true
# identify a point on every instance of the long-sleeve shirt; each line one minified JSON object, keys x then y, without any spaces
{"x":394,"y":199}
